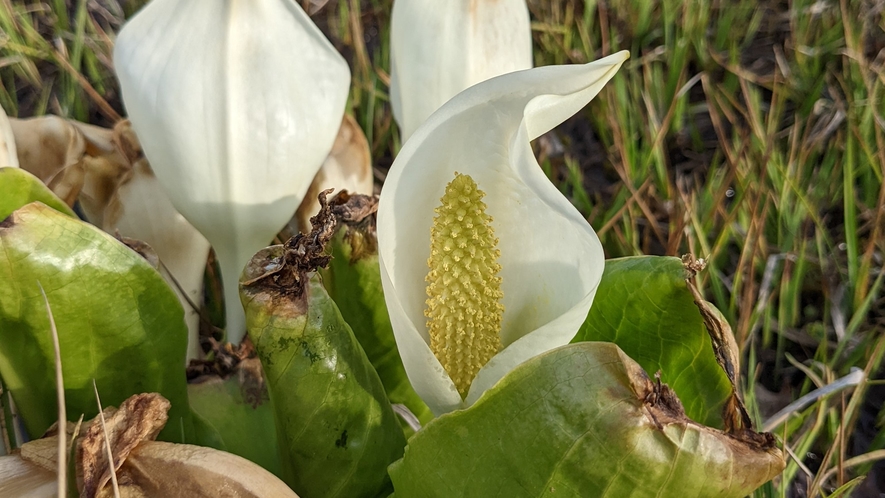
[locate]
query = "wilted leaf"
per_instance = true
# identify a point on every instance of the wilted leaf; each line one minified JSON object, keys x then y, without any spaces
{"x":118,"y":321}
{"x":582,"y":420}
{"x":75,"y":160}
{"x":725,"y":349}
{"x":643,"y":305}
{"x":348,"y":167}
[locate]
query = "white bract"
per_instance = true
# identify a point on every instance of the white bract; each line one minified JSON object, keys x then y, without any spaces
{"x":551,"y":260}
{"x":236,"y":104}
{"x":439,"y":48}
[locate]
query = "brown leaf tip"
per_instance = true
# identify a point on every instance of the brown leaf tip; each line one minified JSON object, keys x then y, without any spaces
{"x":662,"y":404}
{"x":693,"y":266}
{"x":301,"y":254}
{"x":356,"y":213}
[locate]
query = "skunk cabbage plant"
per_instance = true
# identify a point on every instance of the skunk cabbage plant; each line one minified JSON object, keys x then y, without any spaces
{"x":491,"y":265}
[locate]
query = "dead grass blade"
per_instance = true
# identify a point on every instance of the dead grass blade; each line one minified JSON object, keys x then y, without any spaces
{"x":107,"y":443}
{"x":62,"y":413}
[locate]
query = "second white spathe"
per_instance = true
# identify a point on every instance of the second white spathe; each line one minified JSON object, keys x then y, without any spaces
{"x":237,"y":104}
{"x":439,"y":48}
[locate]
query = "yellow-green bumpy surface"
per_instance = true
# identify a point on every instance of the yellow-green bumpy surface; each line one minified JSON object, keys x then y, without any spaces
{"x":463,"y":287}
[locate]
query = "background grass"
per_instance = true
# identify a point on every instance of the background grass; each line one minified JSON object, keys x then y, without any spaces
{"x":751,"y":134}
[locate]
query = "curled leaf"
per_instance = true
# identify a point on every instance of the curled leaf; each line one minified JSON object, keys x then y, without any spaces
{"x":725,"y":349}
{"x":581,"y":420}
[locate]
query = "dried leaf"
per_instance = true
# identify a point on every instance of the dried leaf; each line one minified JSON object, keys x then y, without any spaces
{"x":348,"y":167}
{"x":139,"y":418}
{"x":51,"y":149}
{"x":109,"y":155}
{"x":42,"y":453}
{"x":356,"y":213}
{"x":18,"y":477}
{"x":75,"y":159}
{"x":144,"y":468}
{"x":725,"y":348}
{"x":185,"y":471}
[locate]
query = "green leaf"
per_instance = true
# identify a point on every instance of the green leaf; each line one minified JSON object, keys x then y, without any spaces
{"x":18,"y":187}
{"x":118,"y":321}
{"x":582,"y":420}
{"x":235,"y":418}
{"x":336,"y":429}
{"x":355,"y":285}
{"x":644,"y":306}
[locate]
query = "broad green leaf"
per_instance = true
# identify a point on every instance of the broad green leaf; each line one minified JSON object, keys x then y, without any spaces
{"x":336,"y":430}
{"x":231,"y":417}
{"x":644,"y":306}
{"x":354,"y":282}
{"x":582,"y":420}
{"x":18,"y":187}
{"x":118,"y":321}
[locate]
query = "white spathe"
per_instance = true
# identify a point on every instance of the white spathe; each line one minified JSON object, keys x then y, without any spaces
{"x":551,"y":260}
{"x":237,"y":104}
{"x":439,"y":48}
